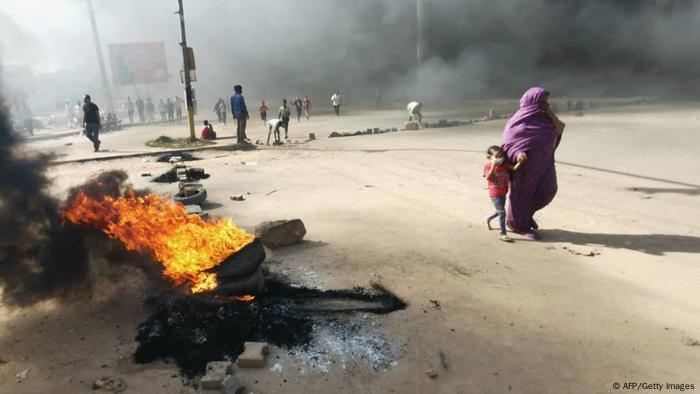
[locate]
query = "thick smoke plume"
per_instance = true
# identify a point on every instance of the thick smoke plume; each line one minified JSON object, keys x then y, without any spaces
{"x":39,"y":257}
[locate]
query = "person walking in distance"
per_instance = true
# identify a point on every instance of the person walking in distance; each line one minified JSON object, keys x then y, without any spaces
{"x":298,"y":107}
{"x":129,"y":106}
{"x":178,"y":107}
{"x":162,"y":109}
{"x":263,"y":111}
{"x":141,"y":109}
{"x":336,"y":101}
{"x":307,"y":107}
{"x":170,"y":107}
{"x":91,"y":121}
{"x":240,"y":113}
{"x":283,"y":114}
{"x":150,"y":110}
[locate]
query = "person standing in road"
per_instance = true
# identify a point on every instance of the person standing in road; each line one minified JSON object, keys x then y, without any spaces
{"x":141,"y":109}
{"x":307,"y":107}
{"x":178,"y":107}
{"x":263,"y":111}
{"x":298,"y":106}
{"x":162,"y":110}
{"x":91,"y":121}
{"x":129,"y":106}
{"x":240,"y":113}
{"x":283,"y":114}
{"x":336,"y":101}
{"x":150,"y":110}
{"x":170,"y":108}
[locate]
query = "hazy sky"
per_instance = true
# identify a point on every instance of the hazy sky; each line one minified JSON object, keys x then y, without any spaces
{"x":281,"y":48}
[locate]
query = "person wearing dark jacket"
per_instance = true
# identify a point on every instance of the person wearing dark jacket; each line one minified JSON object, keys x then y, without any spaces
{"x":240,"y":113}
{"x":91,"y":121}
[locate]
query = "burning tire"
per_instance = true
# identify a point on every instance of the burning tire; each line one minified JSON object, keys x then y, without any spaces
{"x":243,"y":263}
{"x":251,"y":284}
{"x":191,"y":196}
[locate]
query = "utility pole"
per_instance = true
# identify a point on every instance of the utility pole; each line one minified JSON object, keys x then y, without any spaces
{"x":186,"y":66}
{"x":420,"y":39}
{"x":100,"y":59}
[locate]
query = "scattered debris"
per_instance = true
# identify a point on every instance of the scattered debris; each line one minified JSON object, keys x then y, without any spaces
{"x":182,"y":156}
{"x":690,"y":341}
{"x":191,"y":194}
{"x":411,"y":126}
{"x":146,"y":174}
{"x":114,"y":385}
{"x":267,"y":194}
{"x":280,"y":232}
{"x":312,"y":136}
{"x":22,"y":375}
{"x":591,"y":253}
{"x":237,"y":197}
{"x":436,"y":304}
{"x":253,"y":355}
{"x":432,"y":374}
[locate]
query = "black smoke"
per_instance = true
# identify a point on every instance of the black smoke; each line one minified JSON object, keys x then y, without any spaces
{"x":39,"y":257}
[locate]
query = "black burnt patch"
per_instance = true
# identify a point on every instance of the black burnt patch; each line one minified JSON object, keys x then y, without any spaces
{"x":194,"y":330}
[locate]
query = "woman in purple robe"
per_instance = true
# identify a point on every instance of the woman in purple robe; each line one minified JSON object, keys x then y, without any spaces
{"x":531,"y":137}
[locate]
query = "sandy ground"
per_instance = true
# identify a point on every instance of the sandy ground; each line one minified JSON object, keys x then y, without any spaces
{"x":407,"y":209}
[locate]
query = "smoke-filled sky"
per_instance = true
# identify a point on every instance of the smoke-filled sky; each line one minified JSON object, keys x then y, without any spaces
{"x":277,"y":48}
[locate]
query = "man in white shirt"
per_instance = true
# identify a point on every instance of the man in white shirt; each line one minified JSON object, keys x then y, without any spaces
{"x":336,"y":101}
{"x":275,"y":124}
{"x":414,"y":108}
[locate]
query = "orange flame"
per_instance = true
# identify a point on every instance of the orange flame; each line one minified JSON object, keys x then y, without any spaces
{"x":184,"y":244}
{"x":244,"y":298}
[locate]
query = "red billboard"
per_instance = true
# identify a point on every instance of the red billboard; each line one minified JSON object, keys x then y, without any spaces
{"x":138,"y":63}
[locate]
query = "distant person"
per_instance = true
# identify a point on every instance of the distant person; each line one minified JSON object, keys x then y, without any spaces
{"x":299,"y":107}
{"x":170,"y":107}
{"x":220,"y":109}
{"x":91,"y":122}
{"x":531,"y":136}
{"x":414,"y":111}
{"x":162,"y":110}
{"x":208,"y":132}
{"x":283,"y":114}
{"x":141,"y":109}
{"x":496,"y":172}
{"x":274,"y":125}
{"x":179,"y":104}
{"x":336,"y":101}
{"x":129,"y":106}
{"x":150,"y":110}
{"x":78,"y":114}
{"x":68,"y":109}
{"x":240,"y":113}
{"x":27,"y":118}
{"x":263,"y":111}
{"x":307,"y":107}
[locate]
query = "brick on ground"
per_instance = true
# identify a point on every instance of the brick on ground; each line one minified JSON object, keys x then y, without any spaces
{"x":215,"y":374}
{"x":253,"y":356}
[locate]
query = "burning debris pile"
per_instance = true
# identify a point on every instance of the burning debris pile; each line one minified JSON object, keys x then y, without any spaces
{"x":186,"y":246}
{"x":194,"y":330}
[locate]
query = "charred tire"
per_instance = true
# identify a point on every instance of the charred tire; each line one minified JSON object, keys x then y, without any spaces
{"x":251,"y":284}
{"x":196,"y":173}
{"x":242,"y":263}
{"x":193,"y":196}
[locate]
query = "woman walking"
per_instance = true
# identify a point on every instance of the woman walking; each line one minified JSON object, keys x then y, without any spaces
{"x":530,"y":138}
